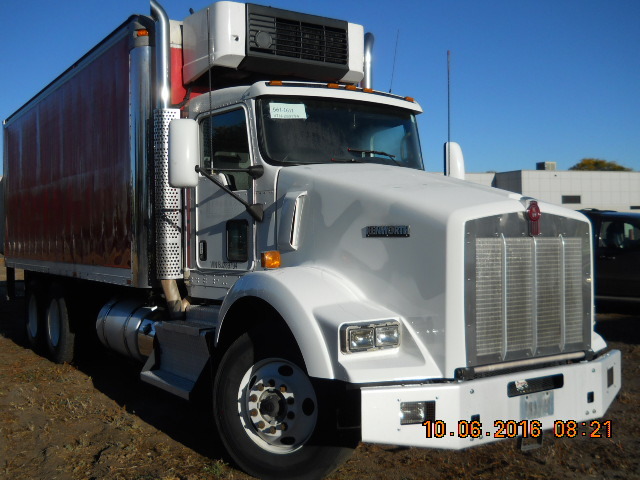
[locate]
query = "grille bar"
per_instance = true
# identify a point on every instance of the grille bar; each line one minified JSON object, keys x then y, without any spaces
{"x":526,"y":296}
{"x":297,"y":39}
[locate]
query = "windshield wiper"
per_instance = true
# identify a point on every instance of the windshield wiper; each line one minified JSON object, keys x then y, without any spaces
{"x":346,"y":160}
{"x":374,"y":152}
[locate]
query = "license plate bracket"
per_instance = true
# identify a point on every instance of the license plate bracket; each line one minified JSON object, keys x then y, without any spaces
{"x":536,"y":405}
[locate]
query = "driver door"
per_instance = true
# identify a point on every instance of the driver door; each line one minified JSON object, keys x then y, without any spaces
{"x":224,"y":229}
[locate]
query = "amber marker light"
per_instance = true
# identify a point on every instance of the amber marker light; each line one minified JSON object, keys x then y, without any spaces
{"x":367,"y":90}
{"x":142,"y":32}
{"x":410,"y":99}
{"x":351,"y":87}
{"x":333,"y":85}
{"x":271,"y":259}
{"x":275,"y":83}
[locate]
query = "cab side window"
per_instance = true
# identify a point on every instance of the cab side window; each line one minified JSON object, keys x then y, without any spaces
{"x":226,"y":146}
{"x":620,"y":234}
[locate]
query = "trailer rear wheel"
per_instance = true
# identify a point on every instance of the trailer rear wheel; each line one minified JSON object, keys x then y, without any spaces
{"x":270,"y":415}
{"x":59,"y":337}
{"x":33,"y":317}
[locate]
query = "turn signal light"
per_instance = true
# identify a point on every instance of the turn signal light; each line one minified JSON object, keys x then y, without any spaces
{"x":271,"y":259}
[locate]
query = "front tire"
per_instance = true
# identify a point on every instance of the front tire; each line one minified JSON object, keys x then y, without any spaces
{"x":59,"y":337}
{"x":270,"y":416}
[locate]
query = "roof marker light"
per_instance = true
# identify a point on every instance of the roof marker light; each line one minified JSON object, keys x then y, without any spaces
{"x":275,"y":83}
{"x":333,"y":85}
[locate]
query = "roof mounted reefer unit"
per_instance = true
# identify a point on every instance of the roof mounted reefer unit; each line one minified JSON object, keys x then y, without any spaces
{"x":272,"y":42}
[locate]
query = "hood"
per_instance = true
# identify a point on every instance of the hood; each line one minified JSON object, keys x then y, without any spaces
{"x":398,"y":238}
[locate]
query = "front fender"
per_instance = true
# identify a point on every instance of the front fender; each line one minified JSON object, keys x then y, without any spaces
{"x":314,"y":303}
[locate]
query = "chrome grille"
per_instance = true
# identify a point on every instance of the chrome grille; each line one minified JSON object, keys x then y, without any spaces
{"x":526,"y":296}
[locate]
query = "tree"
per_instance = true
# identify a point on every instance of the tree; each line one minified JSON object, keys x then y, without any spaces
{"x":593,"y":164}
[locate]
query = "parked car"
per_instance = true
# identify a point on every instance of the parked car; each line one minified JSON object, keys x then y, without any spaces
{"x":616,"y":237}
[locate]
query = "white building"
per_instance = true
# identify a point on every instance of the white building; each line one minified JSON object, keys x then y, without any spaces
{"x":571,"y":188}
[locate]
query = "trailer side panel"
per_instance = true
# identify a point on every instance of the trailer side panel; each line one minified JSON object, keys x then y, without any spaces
{"x":68,"y":167}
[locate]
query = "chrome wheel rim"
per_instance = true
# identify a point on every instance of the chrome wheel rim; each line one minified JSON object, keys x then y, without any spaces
{"x":277,"y":405}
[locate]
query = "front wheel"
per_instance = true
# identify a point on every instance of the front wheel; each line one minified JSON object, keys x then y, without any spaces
{"x":270,"y":416}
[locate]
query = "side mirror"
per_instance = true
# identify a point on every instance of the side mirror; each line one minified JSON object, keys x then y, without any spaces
{"x":453,"y":160}
{"x":184,"y":153}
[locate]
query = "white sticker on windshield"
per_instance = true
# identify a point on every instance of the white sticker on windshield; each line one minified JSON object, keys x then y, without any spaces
{"x":287,"y":111}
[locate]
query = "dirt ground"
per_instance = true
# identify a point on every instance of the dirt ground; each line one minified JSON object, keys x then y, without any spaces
{"x":95,"y":420}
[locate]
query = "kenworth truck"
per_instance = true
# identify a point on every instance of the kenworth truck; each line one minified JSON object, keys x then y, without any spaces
{"x":226,"y":200}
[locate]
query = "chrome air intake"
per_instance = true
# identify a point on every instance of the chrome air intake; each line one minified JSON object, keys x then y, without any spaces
{"x":526,"y":296}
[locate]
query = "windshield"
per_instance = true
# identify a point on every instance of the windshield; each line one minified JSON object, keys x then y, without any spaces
{"x":301,"y":130}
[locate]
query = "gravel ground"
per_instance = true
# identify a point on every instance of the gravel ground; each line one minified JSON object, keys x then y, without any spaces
{"x":94,"y":419}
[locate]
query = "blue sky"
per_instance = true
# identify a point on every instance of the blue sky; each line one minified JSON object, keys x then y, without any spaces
{"x":532,"y":80}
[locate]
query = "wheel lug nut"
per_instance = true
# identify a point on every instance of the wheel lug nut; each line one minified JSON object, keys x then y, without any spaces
{"x":273,"y":430}
{"x":283,"y":388}
{"x":260,"y":387}
{"x":253,"y":398}
{"x":260,"y":425}
{"x":253,"y":412}
{"x":283,"y":427}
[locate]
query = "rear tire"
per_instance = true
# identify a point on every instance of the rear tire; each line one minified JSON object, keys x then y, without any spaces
{"x":271,"y":417}
{"x":59,"y":337}
{"x":34,"y":323}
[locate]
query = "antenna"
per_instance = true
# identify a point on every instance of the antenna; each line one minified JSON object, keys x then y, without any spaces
{"x":395,"y":53}
{"x":448,"y":95}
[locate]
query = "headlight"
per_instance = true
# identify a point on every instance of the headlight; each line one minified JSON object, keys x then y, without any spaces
{"x":387,"y":336}
{"x":360,"y":339}
{"x":374,"y":336}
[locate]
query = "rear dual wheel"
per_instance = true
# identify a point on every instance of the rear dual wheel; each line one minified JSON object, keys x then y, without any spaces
{"x":33,"y":316}
{"x":47,"y":322}
{"x":58,"y":335}
{"x":270,"y":415}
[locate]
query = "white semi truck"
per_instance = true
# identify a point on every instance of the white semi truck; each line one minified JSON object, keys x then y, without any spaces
{"x":226,"y":198}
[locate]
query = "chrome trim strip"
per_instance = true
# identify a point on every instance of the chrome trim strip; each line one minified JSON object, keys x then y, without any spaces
{"x":112,"y":275}
{"x":534,"y":304}
{"x":528,"y":362}
{"x":505,"y":296}
{"x":140,"y":109}
{"x":563,"y":294}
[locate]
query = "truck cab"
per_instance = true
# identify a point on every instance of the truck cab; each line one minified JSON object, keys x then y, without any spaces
{"x":261,"y":218}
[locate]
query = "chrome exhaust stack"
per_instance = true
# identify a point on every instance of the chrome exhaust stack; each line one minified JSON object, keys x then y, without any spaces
{"x":367,"y":81}
{"x":167,"y":200}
